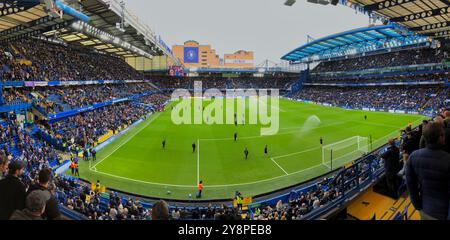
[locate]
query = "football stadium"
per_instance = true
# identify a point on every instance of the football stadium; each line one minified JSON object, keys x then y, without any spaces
{"x":101,"y":119}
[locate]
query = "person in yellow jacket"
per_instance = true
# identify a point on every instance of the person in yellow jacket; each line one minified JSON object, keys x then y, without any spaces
{"x":239,"y":201}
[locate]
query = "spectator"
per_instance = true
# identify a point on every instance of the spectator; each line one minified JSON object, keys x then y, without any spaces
{"x":52,"y":207}
{"x":160,"y":211}
{"x":3,"y":166}
{"x":428,"y":174}
{"x":12,"y":191}
{"x":392,"y":166}
{"x":35,"y":206}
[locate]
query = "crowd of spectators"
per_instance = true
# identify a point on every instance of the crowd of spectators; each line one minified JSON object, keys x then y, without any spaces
{"x":22,"y":158}
{"x":58,"y":99}
{"x":38,"y":60}
{"x":278,"y":82}
{"x":416,"y":99}
{"x":388,"y":78}
{"x":399,"y":58}
{"x":157,"y":100}
{"x":84,"y":130}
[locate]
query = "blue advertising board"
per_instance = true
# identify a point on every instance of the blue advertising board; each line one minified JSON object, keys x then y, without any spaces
{"x":191,"y":55}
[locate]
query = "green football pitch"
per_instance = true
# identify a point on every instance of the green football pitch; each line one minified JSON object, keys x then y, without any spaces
{"x":136,"y":162}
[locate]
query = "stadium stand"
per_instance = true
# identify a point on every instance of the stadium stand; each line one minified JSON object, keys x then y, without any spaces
{"x":426,"y":99}
{"x":394,"y":59}
{"x":37,"y":60}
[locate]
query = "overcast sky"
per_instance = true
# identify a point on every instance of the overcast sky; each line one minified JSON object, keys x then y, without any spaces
{"x":267,"y":27}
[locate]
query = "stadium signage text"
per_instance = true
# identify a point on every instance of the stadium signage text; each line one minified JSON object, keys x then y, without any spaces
{"x":190,"y":109}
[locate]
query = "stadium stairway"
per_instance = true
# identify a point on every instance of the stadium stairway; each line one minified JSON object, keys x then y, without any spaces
{"x":374,"y":206}
{"x":57,"y":100}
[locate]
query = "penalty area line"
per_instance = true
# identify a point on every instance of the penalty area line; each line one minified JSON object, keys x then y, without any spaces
{"x":282,"y":169}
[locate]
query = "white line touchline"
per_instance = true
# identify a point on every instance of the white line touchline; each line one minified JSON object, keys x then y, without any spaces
{"x":128,"y":139}
{"x":279,"y":166}
{"x":198,"y":160}
{"x":140,"y":181}
{"x":209,"y":186}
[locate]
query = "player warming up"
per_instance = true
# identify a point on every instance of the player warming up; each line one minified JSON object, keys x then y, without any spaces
{"x":246,"y":153}
{"x":164,"y":143}
{"x":321,"y":141}
{"x":235,"y":136}
{"x":193,"y":147}
{"x":266,"y":151}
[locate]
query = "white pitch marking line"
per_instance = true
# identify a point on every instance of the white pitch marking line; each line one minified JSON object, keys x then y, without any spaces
{"x":279,"y":166}
{"x":283,"y":133}
{"x":264,"y":180}
{"x":123,"y":143}
{"x":296,"y":153}
{"x":198,"y":160}
{"x":208,"y":186}
{"x":140,"y":181}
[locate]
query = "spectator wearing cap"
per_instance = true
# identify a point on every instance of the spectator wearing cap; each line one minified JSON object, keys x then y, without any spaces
{"x":428,"y":174}
{"x":35,"y":206}
{"x":12,"y":191}
{"x":52,"y":208}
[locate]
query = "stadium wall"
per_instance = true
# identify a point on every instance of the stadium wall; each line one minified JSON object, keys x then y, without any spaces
{"x":147,"y":64}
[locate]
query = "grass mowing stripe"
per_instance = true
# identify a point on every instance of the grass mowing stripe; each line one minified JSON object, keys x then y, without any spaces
{"x":209,"y":186}
{"x":128,"y":139}
{"x":297,"y":153}
{"x":266,"y":180}
{"x":285,"y":133}
{"x":141,"y":181}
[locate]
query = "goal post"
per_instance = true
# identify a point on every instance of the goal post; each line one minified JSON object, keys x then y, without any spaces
{"x":342,"y":152}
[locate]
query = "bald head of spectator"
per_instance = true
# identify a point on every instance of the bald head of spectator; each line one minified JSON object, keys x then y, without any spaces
{"x":447,"y":114}
{"x":391,"y":142}
{"x":447,"y":119}
{"x":434,"y":133}
{"x":160,"y":211}
{"x":439,"y":119}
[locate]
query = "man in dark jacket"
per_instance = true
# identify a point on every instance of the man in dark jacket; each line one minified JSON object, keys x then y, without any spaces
{"x":35,"y":206}
{"x":428,"y":174}
{"x":447,"y":131}
{"x":12,"y":191}
{"x":52,"y":208}
{"x":392,"y":166}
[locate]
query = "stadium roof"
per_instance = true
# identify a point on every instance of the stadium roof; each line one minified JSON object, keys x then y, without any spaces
{"x":354,"y":41}
{"x":25,"y":18}
{"x":427,"y":17}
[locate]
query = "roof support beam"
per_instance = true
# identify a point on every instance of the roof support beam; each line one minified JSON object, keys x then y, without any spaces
{"x":422,"y":15}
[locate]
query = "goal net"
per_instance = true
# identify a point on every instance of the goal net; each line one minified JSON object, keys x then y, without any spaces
{"x":340,"y":153}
